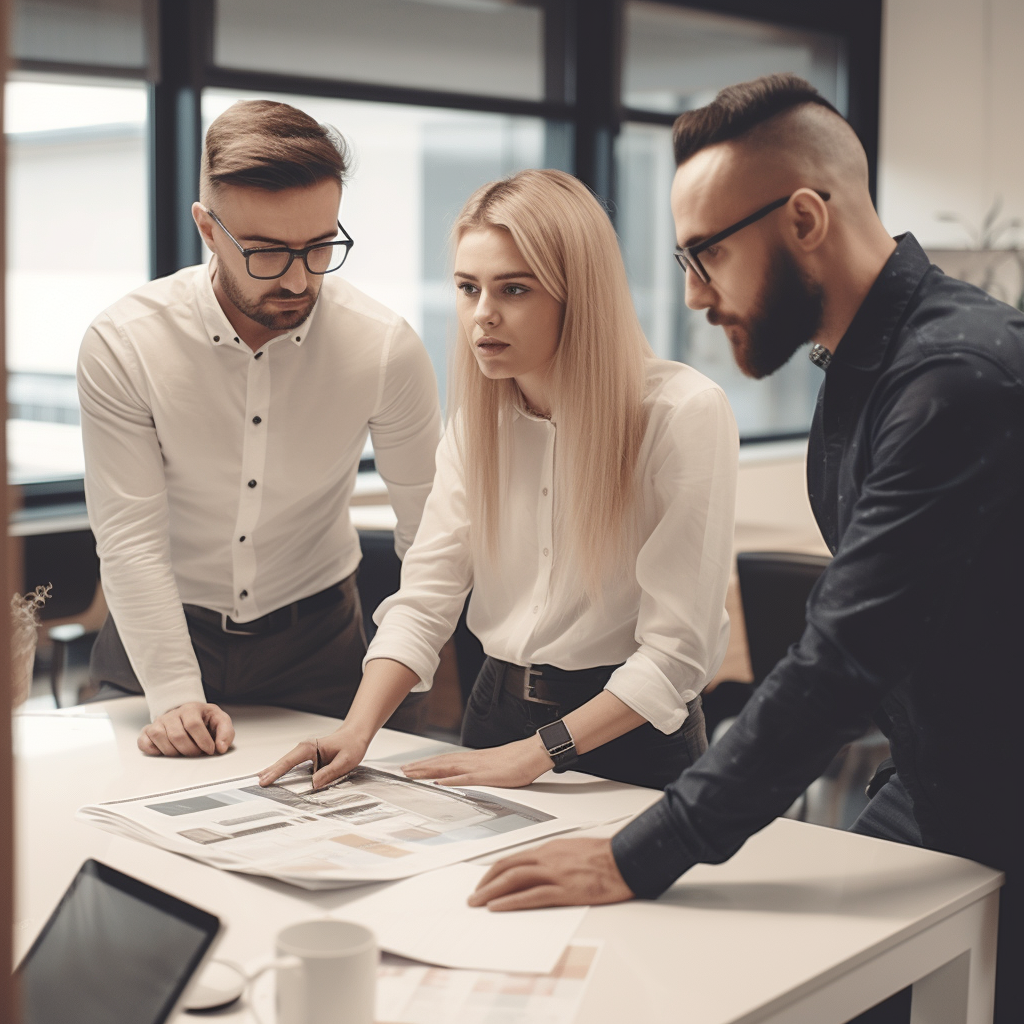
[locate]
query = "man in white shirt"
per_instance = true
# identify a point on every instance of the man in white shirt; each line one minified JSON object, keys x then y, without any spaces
{"x":224,"y":412}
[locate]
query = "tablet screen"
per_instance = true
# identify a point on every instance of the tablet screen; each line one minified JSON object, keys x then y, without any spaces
{"x":115,"y":951}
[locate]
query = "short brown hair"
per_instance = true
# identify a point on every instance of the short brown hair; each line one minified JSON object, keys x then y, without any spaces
{"x":739,"y":108}
{"x":269,"y":145}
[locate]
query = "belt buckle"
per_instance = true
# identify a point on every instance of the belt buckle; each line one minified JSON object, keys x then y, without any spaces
{"x":224,"y":620}
{"x":530,"y":689}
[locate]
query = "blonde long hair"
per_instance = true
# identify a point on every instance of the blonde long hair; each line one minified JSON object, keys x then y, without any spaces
{"x":597,"y":374}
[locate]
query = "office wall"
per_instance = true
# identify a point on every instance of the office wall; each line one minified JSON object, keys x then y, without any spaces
{"x":952,"y":109}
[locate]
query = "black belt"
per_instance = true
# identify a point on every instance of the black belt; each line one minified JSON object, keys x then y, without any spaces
{"x":548,"y":684}
{"x":278,"y":619}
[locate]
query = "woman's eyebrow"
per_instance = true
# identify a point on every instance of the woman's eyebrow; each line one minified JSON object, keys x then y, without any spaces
{"x":498,"y":277}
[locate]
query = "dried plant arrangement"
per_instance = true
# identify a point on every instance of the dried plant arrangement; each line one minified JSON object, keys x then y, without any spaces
{"x":24,"y":632}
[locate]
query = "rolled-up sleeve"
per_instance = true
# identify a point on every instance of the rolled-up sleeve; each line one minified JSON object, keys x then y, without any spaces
{"x":683,"y":568}
{"x":126,"y":496}
{"x":405,"y":429}
{"x":437,"y":574}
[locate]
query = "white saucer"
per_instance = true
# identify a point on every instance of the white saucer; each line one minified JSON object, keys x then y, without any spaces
{"x":218,"y":985}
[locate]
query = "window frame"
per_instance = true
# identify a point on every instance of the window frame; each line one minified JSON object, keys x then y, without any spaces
{"x":583,"y":60}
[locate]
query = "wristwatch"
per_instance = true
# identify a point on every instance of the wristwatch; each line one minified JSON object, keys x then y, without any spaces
{"x":559,"y":744}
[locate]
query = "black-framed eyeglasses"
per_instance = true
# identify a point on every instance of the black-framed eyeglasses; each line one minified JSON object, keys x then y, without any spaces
{"x":687,"y":256}
{"x":274,"y":261}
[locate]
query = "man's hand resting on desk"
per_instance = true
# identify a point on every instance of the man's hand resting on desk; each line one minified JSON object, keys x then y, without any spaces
{"x":562,"y":873}
{"x":189,"y":730}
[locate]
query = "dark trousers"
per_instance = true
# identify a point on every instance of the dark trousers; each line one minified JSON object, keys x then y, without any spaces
{"x":890,"y":815}
{"x":643,"y":757}
{"x":313,"y":665}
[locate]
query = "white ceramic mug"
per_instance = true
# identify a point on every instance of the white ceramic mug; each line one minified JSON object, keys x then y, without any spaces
{"x":326,"y":973}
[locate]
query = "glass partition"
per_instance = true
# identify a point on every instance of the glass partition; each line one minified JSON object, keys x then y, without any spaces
{"x":77,"y":239}
{"x":677,"y":59}
{"x":485,"y":47}
{"x":96,"y":32}
{"x":414,"y":167}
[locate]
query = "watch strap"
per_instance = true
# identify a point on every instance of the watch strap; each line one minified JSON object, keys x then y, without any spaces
{"x":558,"y":742}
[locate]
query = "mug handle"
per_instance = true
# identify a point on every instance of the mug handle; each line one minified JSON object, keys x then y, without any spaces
{"x":284,"y":962}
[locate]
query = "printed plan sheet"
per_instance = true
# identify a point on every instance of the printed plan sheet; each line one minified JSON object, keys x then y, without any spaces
{"x":369,"y":826}
{"x":409,"y":993}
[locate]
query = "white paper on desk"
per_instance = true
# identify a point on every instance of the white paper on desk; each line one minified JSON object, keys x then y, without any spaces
{"x":426,"y":918}
{"x":370,"y":826}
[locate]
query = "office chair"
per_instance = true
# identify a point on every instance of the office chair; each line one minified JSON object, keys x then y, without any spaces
{"x":774,"y":588}
{"x":68,"y":563}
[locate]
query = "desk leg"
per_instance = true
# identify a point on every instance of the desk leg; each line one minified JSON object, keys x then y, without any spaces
{"x":962,"y":991}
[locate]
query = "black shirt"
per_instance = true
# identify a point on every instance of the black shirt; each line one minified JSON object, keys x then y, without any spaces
{"x":916,"y":478}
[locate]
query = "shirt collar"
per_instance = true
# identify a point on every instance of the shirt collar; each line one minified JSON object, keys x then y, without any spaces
{"x":216,"y":326}
{"x":866,"y":340}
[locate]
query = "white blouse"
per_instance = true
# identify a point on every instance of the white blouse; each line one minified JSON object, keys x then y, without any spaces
{"x":663,"y":615}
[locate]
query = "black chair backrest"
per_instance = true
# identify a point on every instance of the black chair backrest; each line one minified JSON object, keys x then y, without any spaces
{"x":69,"y":563}
{"x":774,"y":587}
{"x":380,"y":573}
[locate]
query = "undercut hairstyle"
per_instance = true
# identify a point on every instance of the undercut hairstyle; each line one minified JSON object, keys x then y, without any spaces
{"x":269,"y":145}
{"x":738,"y":109}
{"x":566,"y":239}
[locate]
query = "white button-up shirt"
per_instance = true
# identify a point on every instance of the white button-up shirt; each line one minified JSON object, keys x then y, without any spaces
{"x":220,"y":477}
{"x":662,"y":614}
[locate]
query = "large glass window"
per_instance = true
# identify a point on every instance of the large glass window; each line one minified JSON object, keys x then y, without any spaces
{"x":677,"y":59}
{"x":414,"y":168}
{"x":487,"y":47}
{"x":77,"y":239}
{"x":96,"y":32}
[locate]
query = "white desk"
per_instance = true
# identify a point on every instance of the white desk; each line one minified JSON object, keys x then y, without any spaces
{"x":804,"y":926}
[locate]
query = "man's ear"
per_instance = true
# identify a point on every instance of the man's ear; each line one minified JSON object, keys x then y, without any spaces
{"x":204,"y":222}
{"x":808,"y":219}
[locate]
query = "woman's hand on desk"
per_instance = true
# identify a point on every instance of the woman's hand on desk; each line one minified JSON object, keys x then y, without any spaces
{"x":511,"y":765}
{"x":562,"y":873}
{"x":332,"y":756}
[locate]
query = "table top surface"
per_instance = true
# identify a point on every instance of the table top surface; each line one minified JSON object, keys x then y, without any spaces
{"x":797,"y":906}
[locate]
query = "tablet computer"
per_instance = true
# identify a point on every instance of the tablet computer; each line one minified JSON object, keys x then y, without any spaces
{"x":115,"y":951}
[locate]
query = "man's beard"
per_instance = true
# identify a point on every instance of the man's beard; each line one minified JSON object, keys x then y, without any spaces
{"x":789,"y":313}
{"x":284,"y":320}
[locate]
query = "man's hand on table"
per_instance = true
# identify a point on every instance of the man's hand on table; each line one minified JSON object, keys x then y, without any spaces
{"x":333,"y":756}
{"x":190,"y":730}
{"x":562,"y":873}
{"x":511,"y":765}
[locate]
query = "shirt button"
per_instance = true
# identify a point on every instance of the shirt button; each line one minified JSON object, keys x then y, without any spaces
{"x":545,"y":552}
{"x":252,"y":483}
{"x":545,"y":492}
{"x":236,"y":339}
{"x":297,"y":338}
{"x":257,"y":420}
{"x":258,"y":354}
{"x":240,"y":539}
{"x":216,"y":337}
{"x":244,"y":593}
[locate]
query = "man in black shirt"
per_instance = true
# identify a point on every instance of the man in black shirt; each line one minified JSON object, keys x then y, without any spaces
{"x":916,"y":478}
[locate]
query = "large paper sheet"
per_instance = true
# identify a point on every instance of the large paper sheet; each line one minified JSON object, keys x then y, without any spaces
{"x":370,"y":826}
{"x":410,"y":994}
{"x":427,"y":918}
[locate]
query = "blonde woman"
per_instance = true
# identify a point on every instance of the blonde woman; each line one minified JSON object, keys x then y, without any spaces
{"x":584,"y":493}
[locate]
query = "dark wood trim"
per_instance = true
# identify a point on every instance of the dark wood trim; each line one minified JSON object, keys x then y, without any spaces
{"x":175,"y":134}
{"x":69,"y":70}
{"x":329,"y":88}
{"x":8,"y":1009}
{"x":598,"y":50}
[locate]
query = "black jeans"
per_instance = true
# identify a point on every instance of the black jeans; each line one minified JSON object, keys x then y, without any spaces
{"x":314,"y":665}
{"x":643,"y":757}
